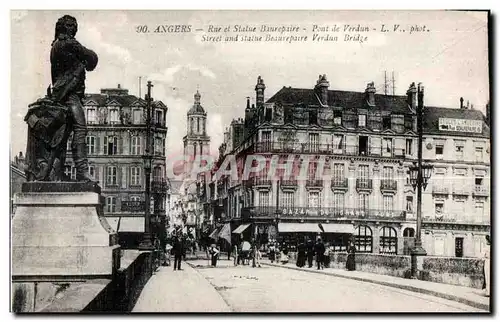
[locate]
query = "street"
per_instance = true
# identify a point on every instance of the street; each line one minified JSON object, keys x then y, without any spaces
{"x":275,"y":289}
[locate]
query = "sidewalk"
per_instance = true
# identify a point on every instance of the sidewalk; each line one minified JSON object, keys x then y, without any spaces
{"x":179,"y":291}
{"x":465,"y":295}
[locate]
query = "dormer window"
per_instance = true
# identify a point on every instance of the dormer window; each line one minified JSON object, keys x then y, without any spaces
{"x":337,"y":118}
{"x":362,"y":120}
{"x":114,"y":116}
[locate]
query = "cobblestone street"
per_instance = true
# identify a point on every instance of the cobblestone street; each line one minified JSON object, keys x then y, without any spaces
{"x":274,"y":289}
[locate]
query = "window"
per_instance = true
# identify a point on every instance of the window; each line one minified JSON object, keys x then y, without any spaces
{"x":409,"y":146}
{"x":136,"y":145}
{"x":387,"y":147}
{"x":363,"y":172}
{"x":288,"y":199}
{"x":264,"y":198}
{"x":314,"y":200}
{"x":135,"y":198}
{"x":388,"y":173}
{"x":111,"y":145}
{"x":197,"y":125}
{"x":266,"y":141}
{"x":337,"y":117}
{"x":439,"y":246}
{"x":92,"y":172}
{"x":479,"y":209}
{"x":192,"y":125}
{"x":459,"y":151}
{"x":388,"y":241}
{"x":338,"y":173}
{"x":388,"y":203}
{"x":386,"y":122}
{"x":111,"y":179}
{"x":459,"y":246}
{"x":137,"y":116}
{"x":90,"y":145}
{"x":338,"y":201}
{"x":158,"y":174}
{"x":338,"y":143}
{"x":159,"y":117}
{"x":91,"y":115}
{"x":409,"y":204}
{"x":110,"y":204}
{"x":362,"y":120}
{"x":363,"y":202}
{"x":363,"y":145}
{"x":313,"y":142}
{"x":135,"y":176}
{"x":409,"y":232}
{"x":73,"y":173}
{"x":159,"y":148}
{"x":113,"y":116}
{"x":479,"y":154}
{"x":439,"y":152}
{"x":363,"y":239}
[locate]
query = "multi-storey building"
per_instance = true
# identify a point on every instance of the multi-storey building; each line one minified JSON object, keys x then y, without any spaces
{"x":355,"y":149}
{"x":116,"y":142}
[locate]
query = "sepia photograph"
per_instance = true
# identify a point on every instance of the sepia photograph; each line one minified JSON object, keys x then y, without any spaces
{"x":250,"y":161}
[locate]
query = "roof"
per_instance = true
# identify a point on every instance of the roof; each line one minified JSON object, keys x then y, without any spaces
{"x":196,"y":109}
{"x":122,"y":100}
{"x":348,"y":99}
{"x":432,"y":115}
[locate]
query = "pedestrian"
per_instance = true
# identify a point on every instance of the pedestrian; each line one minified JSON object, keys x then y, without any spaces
{"x":214,"y":254}
{"x":326,"y":257}
{"x":236,"y":257}
{"x":310,"y":253}
{"x":486,"y":257}
{"x":351,"y":259}
{"x":301,"y":255}
{"x":178,"y":250}
{"x":256,"y":256}
{"x":272,"y":252}
{"x":319,"y":249}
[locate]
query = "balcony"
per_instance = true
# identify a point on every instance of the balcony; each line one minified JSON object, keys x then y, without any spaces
{"x":159,"y":185}
{"x":364,"y":185}
{"x":456,"y":219}
{"x":314,"y":183}
{"x":289,"y":184}
{"x":387,"y":185}
{"x":480,"y":191}
{"x":327,"y":149}
{"x":133,"y":206}
{"x":329,"y":213}
{"x":461,"y":190}
{"x":439,"y":190}
{"x":259,"y":181}
{"x":339,"y":184}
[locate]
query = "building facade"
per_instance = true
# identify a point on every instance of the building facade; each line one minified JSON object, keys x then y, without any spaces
{"x":17,"y":178}
{"x":353,"y":150}
{"x":116,"y":142}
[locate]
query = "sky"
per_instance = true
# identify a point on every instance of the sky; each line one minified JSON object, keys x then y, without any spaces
{"x":451,"y":60}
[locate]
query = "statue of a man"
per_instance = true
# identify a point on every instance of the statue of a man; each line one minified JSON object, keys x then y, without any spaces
{"x":69,"y":60}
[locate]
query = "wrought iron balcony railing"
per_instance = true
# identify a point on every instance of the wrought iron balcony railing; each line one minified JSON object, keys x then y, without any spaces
{"x":456,"y":219}
{"x":159,"y":185}
{"x":340,"y":183}
{"x":461,"y":190}
{"x":317,"y":148}
{"x":133,"y":206}
{"x":388,"y":185}
{"x":364,"y":184}
{"x":329,"y":213}
{"x":438,"y":189}
{"x":480,"y":191}
{"x":314,"y":183}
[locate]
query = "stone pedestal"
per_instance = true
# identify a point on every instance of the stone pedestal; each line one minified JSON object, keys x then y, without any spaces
{"x":59,"y":234}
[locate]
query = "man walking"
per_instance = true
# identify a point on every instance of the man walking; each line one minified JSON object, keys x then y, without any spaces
{"x":319,"y":249}
{"x":178,"y":249}
{"x":310,"y":253}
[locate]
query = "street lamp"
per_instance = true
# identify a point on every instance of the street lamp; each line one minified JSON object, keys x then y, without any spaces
{"x":147,"y":158}
{"x":419,"y":177}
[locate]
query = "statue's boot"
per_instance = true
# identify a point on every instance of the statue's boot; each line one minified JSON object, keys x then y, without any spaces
{"x":81,"y":162}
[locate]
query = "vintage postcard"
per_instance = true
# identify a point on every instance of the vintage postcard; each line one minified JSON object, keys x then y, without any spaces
{"x":250,"y":161}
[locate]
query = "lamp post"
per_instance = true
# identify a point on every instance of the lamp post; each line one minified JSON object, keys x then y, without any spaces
{"x":419,"y":177}
{"x":148,"y":160}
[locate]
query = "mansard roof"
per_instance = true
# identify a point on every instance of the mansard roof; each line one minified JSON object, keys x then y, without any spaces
{"x":432,"y":114}
{"x":121,"y":100}
{"x":346,"y":99}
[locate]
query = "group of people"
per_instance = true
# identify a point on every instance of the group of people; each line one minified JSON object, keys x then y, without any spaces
{"x":246,"y":252}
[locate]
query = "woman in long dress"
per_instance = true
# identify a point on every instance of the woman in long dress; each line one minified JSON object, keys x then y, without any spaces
{"x":351,"y":259}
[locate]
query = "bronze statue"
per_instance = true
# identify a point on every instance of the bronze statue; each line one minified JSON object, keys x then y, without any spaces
{"x":52,"y":119}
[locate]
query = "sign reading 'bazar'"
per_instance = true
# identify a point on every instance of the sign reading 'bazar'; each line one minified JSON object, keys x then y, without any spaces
{"x":460,"y":125}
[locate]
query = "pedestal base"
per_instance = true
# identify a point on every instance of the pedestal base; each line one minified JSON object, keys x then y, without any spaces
{"x":59,"y":233}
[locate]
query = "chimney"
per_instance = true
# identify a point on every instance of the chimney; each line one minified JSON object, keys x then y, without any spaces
{"x":259,"y":89}
{"x":461,"y":102}
{"x":370,"y":93}
{"x":119,"y":86}
{"x":248,"y":103}
{"x":321,"y":89}
{"x":420,"y":95}
{"x":411,"y":94}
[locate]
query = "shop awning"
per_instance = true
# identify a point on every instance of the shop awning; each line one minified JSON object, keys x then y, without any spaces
{"x":284,"y":227}
{"x":131,"y":224}
{"x":241,"y":228}
{"x":215,"y":233}
{"x":338,"y":228}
